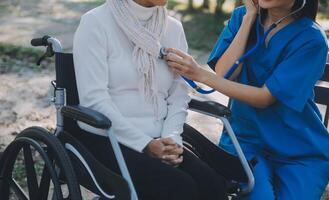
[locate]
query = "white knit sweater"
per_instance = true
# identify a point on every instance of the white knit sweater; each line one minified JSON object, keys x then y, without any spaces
{"x":107,"y":79}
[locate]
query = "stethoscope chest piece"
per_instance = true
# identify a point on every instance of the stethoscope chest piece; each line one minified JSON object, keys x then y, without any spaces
{"x":162,"y":53}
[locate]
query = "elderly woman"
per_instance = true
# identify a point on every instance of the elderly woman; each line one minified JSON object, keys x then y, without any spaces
{"x":116,"y":49}
{"x":274,"y":114}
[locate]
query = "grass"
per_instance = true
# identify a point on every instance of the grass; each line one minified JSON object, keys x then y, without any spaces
{"x":323,"y":15}
{"x":14,"y":58}
{"x":202,"y":29}
{"x":3,"y":9}
{"x":19,"y":171}
{"x":201,"y":26}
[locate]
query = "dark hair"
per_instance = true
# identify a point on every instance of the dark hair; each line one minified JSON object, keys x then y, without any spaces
{"x":310,"y":10}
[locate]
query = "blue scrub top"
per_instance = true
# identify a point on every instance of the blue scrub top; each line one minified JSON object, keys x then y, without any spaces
{"x":289,"y":66}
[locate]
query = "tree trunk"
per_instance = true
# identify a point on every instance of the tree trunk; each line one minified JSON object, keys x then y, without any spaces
{"x":219,"y":11}
{"x":324,"y":3}
{"x":190,"y":5}
{"x":205,"y":4}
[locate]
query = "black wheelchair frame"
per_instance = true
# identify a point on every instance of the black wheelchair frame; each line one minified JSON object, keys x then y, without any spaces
{"x":68,"y":162}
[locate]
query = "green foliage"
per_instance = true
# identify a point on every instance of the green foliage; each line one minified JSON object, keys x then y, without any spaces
{"x":202,"y":29}
{"x":172,"y":4}
{"x":201,"y":26}
{"x":14,"y":58}
{"x":19,"y":171}
{"x":324,"y":3}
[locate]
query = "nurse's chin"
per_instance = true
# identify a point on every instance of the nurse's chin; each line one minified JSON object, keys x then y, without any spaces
{"x":273,"y":4}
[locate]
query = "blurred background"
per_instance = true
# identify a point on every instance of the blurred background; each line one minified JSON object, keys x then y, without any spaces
{"x":25,"y":89}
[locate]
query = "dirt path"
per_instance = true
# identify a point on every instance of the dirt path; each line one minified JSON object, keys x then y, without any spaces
{"x":25,"y":95}
{"x":32,"y":89}
{"x":35,"y":18}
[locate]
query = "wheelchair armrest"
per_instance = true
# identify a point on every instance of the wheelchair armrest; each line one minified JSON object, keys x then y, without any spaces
{"x":86,"y":115}
{"x":210,"y":108}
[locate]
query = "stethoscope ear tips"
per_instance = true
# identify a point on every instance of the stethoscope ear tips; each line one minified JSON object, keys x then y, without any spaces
{"x":163,"y":53}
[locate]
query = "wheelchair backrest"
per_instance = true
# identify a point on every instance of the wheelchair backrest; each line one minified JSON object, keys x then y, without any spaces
{"x":65,"y":78}
{"x":322,"y":93}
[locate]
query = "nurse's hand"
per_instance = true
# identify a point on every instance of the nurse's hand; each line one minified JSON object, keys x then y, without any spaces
{"x":185,"y":65}
{"x":252,"y":7}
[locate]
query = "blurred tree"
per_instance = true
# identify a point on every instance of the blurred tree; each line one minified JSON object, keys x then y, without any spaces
{"x":190,"y":5}
{"x":219,"y":6}
{"x":324,"y":3}
{"x":238,"y":3}
{"x":205,"y":4}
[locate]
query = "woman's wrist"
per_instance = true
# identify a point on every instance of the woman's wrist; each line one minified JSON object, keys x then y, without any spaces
{"x":249,"y":18}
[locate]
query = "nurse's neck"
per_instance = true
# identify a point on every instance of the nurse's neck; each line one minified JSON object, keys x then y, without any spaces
{"x":275,"y":14}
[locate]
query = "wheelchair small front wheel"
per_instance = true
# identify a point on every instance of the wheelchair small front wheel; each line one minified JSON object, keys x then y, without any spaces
{"x":36,"y":166}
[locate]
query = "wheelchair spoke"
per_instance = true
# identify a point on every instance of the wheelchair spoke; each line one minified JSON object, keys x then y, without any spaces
{"x":30,"y":168}
{"x":44,"y":184}
{"x":31,"y":175}
{"x":19,"y":192}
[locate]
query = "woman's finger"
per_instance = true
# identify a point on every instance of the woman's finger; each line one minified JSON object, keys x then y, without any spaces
{"x":177,"y":151}
{"x":170,"y":157}
{"x":168,"y":141}
{"x":177,"y":161}
{"x":178,"y":67}
{"x":169,"y":148}
{"x":178,"y":52}
{"x":174,"y":58}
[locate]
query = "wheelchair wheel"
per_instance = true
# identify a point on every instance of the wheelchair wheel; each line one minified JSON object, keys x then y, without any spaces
{"x":36,"y":166}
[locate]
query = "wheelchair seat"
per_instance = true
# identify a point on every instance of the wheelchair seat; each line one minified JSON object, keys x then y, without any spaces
{"x":108,"y":181}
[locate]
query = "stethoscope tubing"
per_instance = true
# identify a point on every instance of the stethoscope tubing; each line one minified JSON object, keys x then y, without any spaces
{"x":260,"y":41}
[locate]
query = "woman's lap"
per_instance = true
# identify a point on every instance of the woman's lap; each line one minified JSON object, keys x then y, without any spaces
{"x":193,"y":179}
{"x":207,"y":180}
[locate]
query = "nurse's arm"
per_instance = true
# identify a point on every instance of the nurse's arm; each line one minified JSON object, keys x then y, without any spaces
{"x":236,"y":49}
{"x":184,"y":64}
{"x":259,"y":97}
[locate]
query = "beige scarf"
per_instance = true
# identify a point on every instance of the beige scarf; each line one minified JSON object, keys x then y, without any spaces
{"x":146,"y":41}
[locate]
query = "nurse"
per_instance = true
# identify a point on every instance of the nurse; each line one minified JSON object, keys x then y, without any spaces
{"x":274,"y":114}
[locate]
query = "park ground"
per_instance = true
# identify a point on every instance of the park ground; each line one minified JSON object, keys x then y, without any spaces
{"x":25,"y":89}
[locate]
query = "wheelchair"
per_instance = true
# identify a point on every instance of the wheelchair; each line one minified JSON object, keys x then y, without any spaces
{"x":67,"y":164}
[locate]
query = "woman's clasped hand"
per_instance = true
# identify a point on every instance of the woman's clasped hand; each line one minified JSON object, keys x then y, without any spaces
{"x":165,"y":149}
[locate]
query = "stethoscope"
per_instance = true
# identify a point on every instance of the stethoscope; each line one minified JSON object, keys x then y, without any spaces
{"x":260,"y":41}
